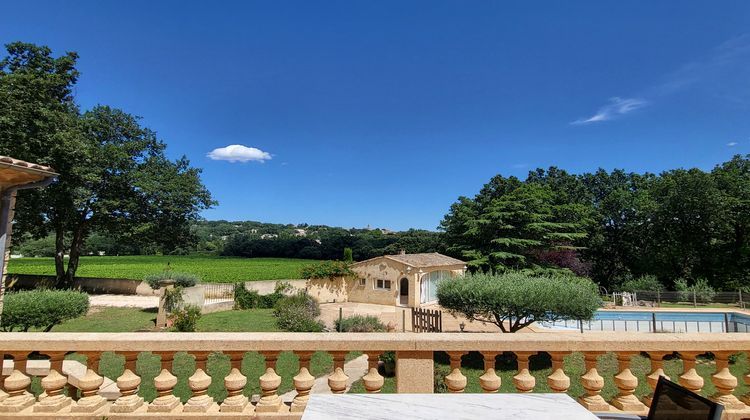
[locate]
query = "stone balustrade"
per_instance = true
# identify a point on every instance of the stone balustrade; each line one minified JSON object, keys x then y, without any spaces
{"x":62,"y":397}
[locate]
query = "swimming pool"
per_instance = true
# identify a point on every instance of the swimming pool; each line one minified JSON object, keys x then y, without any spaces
{"x":666,"y":321}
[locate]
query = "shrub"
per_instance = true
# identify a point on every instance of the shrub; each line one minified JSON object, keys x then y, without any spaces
{"x":360,"y":323}
{"x":251,"y":299}
{"x":389,"y":363}
{"x":180,"y":279}
{"x":646,"y":282}
{"x":42,"y":309}
{"x":348,"y":255}
{"x":703,"y":292}
{"x":186,"y":318}
{"x":297,"y":313}
{"x":245,"y":299}
{"x":326,"y":269}
{"x":440,"y":372}
{"x":513,"y":300}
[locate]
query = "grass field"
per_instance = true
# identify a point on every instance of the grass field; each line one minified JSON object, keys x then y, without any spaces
{"x":210,"y":269}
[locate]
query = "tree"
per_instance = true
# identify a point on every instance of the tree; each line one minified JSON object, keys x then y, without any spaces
{"x":509,"y":230}
{"x":514,"y":300}
{"x":348,"y":255}
{"x":114,"y":175}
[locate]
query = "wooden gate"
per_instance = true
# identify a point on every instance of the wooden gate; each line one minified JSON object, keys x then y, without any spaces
{"x":426,"y":320}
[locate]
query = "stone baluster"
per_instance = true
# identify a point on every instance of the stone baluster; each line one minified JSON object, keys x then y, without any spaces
{"x":200,"y":401}
{"x":236,"y":401}
{"x":523,"y":380}
{"x":373,"y":380}
{"x":303,"y":382}
{"x":455,"y":381}
{"x":15,"y":385}
{"x":3,"y":394}
{"x":489,"y":381}
{"x":128,"y":383}
{"x":53,"y":399}
{"x":337,"y":380}
{"x":558,"y":381}
{"x":657,"y":370}
{"x":270,"y":402}
{"x":165,"y":401}
{"x":626,"y":384}
{"x":690,"y":378}
{"x":90,"y":401}
{"x":592,"y":384}
{"x":725,"y":383}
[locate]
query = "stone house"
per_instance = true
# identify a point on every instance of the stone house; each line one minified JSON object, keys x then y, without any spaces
{"x":408,"y":280}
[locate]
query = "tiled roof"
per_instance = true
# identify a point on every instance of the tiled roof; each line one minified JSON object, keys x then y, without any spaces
{"x":18,"y":172}
{"x":432,"y":259}
{"x":23,"y":164}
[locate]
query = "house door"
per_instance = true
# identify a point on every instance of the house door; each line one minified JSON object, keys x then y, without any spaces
{"x":403,"y":292}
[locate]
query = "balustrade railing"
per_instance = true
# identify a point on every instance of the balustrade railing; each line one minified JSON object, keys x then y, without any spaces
{"x":80,"y":398}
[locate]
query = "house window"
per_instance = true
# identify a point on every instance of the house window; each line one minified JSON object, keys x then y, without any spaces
{"x":362,"y":282}
{"x":383,"y":284}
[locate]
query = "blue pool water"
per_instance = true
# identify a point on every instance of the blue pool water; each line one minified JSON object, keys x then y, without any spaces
{"x":647,"y":321}
{"x":671,"y":316}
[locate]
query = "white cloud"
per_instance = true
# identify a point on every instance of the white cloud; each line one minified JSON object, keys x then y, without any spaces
{"x":732,"y":143}
{"x":616,"y":107}
{"x":239,"y":153}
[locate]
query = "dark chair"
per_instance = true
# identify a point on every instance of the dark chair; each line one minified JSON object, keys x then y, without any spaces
{"x":673,"y":402}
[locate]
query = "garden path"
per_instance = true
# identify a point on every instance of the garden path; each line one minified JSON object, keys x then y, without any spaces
{"x":355,"y":369}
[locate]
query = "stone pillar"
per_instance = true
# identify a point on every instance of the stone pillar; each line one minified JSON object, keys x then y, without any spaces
{"x":373,"y":380}
{"x":15,"y":385}
{"x":558,"y":381}
{"x":455,"y":381}
{"x":626,"y":383}
{"x":657,"y":370}
{"x":592,"y":383}
{"x":725,"y":383}
{"x":523,"y":380}
{"x":337,"y":379}
{"x":414,"y":372}
{"x":270,"y":402}
{"x":235,"y":382}
{"x":54,"y":384}
{"x":690,"y":378}
{"x":90,"y":401}
{"x":489,"y":381}
{"x":128,"y":383}
{"x":303,"y":382}
{"x":199,"y":382}
{"x":166,"y":401}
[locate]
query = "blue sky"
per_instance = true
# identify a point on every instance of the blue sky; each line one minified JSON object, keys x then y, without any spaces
{"x":383,"y":113}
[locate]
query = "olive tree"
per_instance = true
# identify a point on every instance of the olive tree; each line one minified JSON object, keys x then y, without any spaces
{"x":513,"y":300}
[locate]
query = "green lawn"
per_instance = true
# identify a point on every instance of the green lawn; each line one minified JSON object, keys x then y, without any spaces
{"x":210,"y":269}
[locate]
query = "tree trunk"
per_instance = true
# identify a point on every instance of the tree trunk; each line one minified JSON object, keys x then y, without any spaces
{"x":59,"y":255}
{"x":75,"y":254}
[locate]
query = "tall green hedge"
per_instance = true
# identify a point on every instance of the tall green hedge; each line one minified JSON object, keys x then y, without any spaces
{"x":41,"y":309}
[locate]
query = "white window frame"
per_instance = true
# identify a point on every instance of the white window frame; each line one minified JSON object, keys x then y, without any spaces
{"x":382,"y":284}
{"x":362,"y":282}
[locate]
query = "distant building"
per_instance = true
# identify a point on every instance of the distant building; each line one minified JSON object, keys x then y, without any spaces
{"x":269,"y":236}
{"x":402,"y":280}
{"x":300,"y":232}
